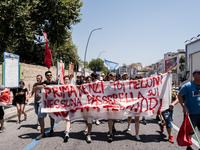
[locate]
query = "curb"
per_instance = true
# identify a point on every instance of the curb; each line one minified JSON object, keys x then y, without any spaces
{"x":13,"y":116}
{"x":11,"y":111}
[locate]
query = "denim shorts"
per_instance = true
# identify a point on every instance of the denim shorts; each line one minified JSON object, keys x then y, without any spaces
{"x":195,"y":119}
{"x":168,"y":117}
{"x":40,"y":114}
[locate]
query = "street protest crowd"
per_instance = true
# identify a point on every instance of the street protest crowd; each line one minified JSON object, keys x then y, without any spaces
{"x":188,"y":97}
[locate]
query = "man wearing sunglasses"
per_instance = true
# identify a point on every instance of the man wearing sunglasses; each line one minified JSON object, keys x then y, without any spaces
{"x":48,"y":81}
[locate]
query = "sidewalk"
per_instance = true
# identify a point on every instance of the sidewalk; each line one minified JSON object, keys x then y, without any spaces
{"x":11,"y":111}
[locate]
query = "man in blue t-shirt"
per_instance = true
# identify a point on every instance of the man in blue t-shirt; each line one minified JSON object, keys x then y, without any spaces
{"x":189,"y":98}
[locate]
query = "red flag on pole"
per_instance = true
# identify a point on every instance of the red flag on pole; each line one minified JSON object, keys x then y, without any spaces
{"x":183,"y":137}
{"x":48,"y":56}
{"x":62,"y":74}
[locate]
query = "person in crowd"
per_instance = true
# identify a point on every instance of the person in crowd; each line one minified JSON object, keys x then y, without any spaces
{"x":111,"y":122}
{"x":88,"y":121}
{"x":137,"y":118}
{"x":82,"y":80}
{"x":72,"y":80}
{"x":189,"y":98}
{"x":143,"y":118}
{"x":37,"y":99}
{"x":168,"y":117}
{"x":3,"y":127}
{"x":78,"y":78}
{"x":21,"y":100}
{"x":118,"y":77}
{"x":95,"y":79}
{"x":98,"y":77}
{"x":48,"y":81}
{"x":103,"y":76}
{"x":66,"y":79}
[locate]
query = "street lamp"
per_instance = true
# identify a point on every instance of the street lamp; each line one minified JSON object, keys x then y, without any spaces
{"x":100,"y":53}
{"x":87,"y":46}
{"x":98,"y":58}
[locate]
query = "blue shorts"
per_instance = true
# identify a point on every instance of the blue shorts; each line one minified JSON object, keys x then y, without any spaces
{"x":195,"y":119}
{"x":168,"y":117}
{"x":41,"y":115}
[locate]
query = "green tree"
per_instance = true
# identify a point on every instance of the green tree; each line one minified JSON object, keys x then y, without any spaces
{"x":22,"y":21}
{"x":182,"y":63}
{"x":105,"y":70}
{"x":67,"y":53}
{"x":96,"y":64}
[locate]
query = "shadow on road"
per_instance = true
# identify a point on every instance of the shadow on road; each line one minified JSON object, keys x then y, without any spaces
{"x":32,"y":126}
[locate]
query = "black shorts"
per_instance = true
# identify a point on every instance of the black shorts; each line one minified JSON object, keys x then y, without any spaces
{"x":20,"y":102}
{"x":1,"y":112}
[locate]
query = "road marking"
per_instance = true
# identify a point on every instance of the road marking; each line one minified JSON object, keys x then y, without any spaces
{"x":193,"y":140}
{"x":32,"y":144}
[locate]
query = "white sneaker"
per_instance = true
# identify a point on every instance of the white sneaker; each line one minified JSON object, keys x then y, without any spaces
{"x":128,"y":128}
{"x":38,"y":128}
{"x":93,"y":120}
{"x":88,"y":139}
{"x":86,"y":129}
{"x":137,"y":137}
{"x":97,"y":122}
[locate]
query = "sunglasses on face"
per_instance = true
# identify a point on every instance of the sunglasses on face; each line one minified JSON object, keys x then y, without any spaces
{"x":49,"y":75}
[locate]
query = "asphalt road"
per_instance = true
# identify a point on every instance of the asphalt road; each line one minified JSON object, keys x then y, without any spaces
{"x":22,"y":136}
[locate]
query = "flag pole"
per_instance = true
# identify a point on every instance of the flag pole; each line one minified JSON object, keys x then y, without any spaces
{"x":193,"y":129}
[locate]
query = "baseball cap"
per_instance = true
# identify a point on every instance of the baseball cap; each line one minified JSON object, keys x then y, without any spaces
{"x":197,"y":70}
{"x":112,"y":74}
{"x":125,"y":74}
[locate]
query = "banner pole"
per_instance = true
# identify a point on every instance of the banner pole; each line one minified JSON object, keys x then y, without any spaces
{"x":193,"y":130}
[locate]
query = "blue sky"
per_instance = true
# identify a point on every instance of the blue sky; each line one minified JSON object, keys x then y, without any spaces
{"x":135,"y":30}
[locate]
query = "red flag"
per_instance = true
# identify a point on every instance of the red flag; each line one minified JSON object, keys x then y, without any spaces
{"x":62,"y":74}
{"x":45,"y":35}
{"x":5,"y":98}
{"x":183,"y":137}
{"x":48,"y":56}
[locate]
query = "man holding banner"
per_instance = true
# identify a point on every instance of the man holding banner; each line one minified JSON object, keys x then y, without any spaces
{"x":49,"y":81}
{"x":189,"y":98}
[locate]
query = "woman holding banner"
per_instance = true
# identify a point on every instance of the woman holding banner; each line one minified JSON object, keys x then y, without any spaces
{"x":88,"y":120}
{"x":66,"y":79}
{"x":137,"y":118}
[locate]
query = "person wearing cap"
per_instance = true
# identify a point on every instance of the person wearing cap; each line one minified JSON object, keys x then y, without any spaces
{"x":189,"y":98}
{"x":103,"y":76}
{"x":111,"y":122}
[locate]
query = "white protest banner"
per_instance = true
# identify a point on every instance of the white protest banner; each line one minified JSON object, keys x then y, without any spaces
{"x":143,"y":97}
